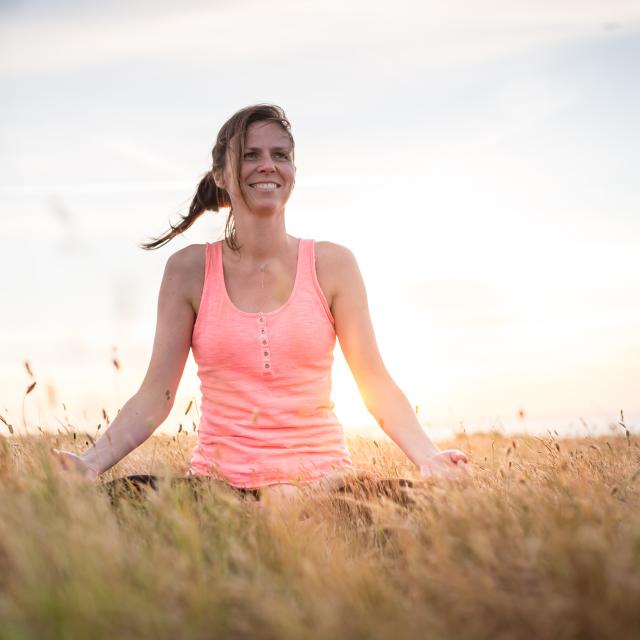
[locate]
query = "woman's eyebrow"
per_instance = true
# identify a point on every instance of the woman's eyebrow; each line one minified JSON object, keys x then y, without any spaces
{"x":286,"y":149}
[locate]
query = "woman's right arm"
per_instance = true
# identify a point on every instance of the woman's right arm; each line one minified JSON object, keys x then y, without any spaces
{"x":151,"y":404}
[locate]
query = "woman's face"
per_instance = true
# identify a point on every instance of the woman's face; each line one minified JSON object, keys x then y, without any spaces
{"x":267,"y":172}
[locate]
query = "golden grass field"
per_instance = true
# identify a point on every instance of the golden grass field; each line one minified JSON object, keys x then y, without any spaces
{"x":542,"y":542}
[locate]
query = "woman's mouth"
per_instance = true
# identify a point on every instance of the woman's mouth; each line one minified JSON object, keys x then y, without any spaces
{"x":265,"y":186}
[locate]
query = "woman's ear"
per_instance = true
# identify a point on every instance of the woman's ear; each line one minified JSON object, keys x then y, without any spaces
{"x":218,"y":178}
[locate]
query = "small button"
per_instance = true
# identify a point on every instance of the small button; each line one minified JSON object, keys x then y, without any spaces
{"x":261,"y":319}
{"x":267,"y":365}
{"x":266,"y":353}
{"x":261,"y":330}
{"x":264,"y":342}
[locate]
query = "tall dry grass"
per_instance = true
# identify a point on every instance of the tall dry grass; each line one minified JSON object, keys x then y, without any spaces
{"x":543,"y":542}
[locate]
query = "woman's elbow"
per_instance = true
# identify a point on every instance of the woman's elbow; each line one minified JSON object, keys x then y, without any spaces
{"x":379,"y":393}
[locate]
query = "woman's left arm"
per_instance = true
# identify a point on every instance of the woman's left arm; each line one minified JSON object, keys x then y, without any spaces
{"x":383,"y":398}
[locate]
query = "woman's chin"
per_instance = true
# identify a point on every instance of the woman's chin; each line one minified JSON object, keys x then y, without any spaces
{"x":264,"y":209}
{"x":264,"y":202}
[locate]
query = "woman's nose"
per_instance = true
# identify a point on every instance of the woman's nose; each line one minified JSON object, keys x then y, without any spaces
{"x":267,"y":164}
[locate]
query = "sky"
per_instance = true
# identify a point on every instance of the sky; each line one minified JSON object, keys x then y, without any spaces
{"x":479,"y":159}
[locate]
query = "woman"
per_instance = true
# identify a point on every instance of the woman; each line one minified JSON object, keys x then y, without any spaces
{"x":261,"y":311}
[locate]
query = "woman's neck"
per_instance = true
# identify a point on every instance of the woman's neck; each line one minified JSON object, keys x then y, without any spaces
{"x":261,"y":239}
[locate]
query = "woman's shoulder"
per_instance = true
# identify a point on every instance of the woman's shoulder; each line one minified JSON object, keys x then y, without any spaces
{"x":188,"y":264}
{"x":188,"y":258}
{"x":335,"y":265}
{"x":332,"y":252}
{"x":333,"y":259}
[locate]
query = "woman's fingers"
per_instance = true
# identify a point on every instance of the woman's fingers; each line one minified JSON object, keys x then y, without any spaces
{"x":450,"y":464}
{"x":60,"y":458}
{"x":458,"y":456}
{"x":462,"y":469}
{"x":71,"y":462}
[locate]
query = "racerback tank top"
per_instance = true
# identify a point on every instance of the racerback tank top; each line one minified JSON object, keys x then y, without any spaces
{"x":265,"y":378}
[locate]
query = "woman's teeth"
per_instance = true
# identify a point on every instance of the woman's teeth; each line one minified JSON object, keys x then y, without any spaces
{"x":265,"y":186}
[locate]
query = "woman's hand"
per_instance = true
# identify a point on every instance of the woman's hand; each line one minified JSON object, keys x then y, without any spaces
{"x":450,"y":464}
{"x":72,"y":463}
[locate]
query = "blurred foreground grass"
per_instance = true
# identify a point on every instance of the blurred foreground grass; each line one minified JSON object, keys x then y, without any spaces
{"x":543,"y":542}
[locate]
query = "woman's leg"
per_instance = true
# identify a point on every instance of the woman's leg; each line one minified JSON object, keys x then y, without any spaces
{"x":130,"y":486}
{"x":364,"y":485}
{"x":134,"y":486}
{"x":350,"y":493}
{"x":195,"y":482}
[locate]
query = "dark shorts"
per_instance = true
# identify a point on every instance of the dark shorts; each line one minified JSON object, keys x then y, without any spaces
{"x":135,"y":485}
{"x":361,"y":486}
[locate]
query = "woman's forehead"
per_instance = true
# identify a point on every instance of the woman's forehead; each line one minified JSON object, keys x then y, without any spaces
{"x":266,"y":134}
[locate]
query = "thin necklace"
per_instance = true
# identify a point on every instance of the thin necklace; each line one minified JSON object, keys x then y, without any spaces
{"x":262,"y":269}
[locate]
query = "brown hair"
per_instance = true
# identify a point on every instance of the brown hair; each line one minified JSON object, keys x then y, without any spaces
{"x":209,"y":196}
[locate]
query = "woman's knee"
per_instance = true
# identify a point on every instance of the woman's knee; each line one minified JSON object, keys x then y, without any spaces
{"x":132,"y":486}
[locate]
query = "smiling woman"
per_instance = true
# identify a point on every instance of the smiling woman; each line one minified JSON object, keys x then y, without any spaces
{"x":261,"y":311}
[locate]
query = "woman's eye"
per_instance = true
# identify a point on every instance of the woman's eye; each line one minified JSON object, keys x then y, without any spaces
{"x":252,"y":155}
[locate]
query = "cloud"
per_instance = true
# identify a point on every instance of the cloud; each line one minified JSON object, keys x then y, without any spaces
{"x":139,"y":154}
{"x":405,"y":31}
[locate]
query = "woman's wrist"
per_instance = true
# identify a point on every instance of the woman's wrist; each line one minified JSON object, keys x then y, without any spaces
{"x":426,"y":456}
{"x":89,"y":458}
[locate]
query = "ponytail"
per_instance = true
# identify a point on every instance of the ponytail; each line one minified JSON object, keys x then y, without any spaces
{"x":208,"y":197}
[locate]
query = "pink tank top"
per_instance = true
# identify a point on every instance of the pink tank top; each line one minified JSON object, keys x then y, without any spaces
{"x":265,"y":377}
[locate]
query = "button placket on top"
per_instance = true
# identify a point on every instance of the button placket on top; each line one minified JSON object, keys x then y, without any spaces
{"x":264,"y":345}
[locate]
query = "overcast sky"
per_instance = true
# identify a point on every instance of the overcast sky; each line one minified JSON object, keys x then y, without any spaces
{"x":479,"y":158}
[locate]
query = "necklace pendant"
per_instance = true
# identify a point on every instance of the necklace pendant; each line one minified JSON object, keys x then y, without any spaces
{"x":262,"y":270}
